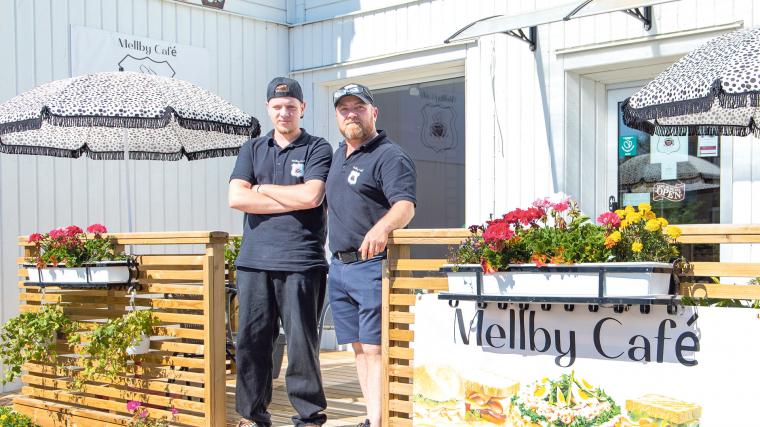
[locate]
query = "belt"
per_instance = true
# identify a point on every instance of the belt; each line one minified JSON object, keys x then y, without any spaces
{"x":348,"y":256}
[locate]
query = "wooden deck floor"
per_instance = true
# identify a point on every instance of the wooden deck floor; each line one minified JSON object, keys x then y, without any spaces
{"x":345,"y":405}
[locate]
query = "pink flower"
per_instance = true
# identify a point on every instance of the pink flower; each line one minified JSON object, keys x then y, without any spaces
{"x":542,"y":203}
{"x":73,"y":230}
{"x":610,"y":219}
{"x":175,"y":411}
{"x":143,"y":414}
{"x":97,"y":229}
{"x":132,"y":405}
{"x":35,"y":237}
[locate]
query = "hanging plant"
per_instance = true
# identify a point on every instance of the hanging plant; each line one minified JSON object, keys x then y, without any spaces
{"x":30,"y":336}
{"x":109,"y":347}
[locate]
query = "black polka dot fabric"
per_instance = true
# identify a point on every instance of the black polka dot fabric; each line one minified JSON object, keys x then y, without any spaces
{"x":714,"y":90}
{"x":101,"y":115}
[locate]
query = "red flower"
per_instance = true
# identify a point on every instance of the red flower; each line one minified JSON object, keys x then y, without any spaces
{"x":562,"y":206}
{"x":531,"y":215}
{"x":497,"y":231}
{"x":57,"y":233}
{"x":35,"y":237}
{"x":73,"y":230}
{"x":610,"y":219}
{"x":97,"y":229}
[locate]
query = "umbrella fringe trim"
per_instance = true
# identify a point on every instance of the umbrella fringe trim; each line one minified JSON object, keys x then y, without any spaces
{"x":217,"y":152}
{"x":20,"y":126}
{"x":41,"y":151}
{"x":713,"y":130}
{"x":251,"y":131}
{"x":115,"y":155}
{"x":114,"y":122}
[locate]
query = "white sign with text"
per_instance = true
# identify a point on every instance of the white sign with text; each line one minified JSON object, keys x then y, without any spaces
{"x":94,"y":51}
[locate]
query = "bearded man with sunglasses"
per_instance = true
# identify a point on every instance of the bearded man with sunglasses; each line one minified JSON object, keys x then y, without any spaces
{"x":371,"y":191}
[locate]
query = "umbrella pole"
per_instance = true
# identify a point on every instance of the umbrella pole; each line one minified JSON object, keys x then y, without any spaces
{"x":127,"y":186}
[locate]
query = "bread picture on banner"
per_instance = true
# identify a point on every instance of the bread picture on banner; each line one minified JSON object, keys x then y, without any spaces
{"x":438,"y":396}
{"x":487,"y":397}
{"x":663,"y":411}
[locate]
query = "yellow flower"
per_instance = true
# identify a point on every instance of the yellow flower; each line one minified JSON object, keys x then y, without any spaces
{"x":629,"y":209}
{"x":633,"y":217}
{"x":624,"y":223}
{"x":637,"y":246}
{"x":673,"y":231}
{"x":620,"y":213}
{"x":652,"y":225}
{"x":663,"y":221}
{"x":644,"y":207}
{"x":648,"y":215}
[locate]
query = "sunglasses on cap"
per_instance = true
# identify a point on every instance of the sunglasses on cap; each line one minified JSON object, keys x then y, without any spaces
{"x":357,"y":90}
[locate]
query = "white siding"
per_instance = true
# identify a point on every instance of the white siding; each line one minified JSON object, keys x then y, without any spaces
{"x":371,"y":46}
{"x":40,"y":193}
{"x":267,"y":10}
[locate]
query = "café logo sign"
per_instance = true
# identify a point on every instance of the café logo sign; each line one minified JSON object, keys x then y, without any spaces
{"x":670,"y":339}
{"x":674,"y":193}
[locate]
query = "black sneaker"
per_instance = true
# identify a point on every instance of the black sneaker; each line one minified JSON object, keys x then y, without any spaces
{"x":365,"y":423}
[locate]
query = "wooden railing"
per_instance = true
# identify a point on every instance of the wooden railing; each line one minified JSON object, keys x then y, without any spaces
{"x":404,"y":276}
{"x":186,"y":367}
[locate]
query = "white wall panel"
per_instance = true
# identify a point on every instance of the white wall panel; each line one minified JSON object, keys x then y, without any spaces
{"x":574,"y":90}
{"x":40,"y":193}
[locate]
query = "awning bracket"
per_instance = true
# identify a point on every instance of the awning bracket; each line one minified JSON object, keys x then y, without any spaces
{"x":643,"y":14}
{"x":531,"y":38}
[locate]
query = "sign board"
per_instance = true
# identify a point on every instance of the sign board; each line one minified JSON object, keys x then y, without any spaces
{"x":627,"y":146}
{"x":665,"y":191}
{"x":94,"y":51}
{"x":546,"y":365}
{"x":707,"y":146}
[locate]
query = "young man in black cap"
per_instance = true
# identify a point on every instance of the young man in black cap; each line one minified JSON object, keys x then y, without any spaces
{"x":371,"y":191}
{"x":279,"y":182}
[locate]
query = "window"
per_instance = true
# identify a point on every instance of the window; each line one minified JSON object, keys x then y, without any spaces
{"x":427,"y":121}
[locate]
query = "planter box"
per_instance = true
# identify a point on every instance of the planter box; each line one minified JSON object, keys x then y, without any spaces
{"x":139,"y":347}
{"x":621,"y":279}
{"x":98,"y":274}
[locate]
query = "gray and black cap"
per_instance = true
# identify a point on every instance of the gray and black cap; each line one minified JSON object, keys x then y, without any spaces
{"x":281,"y":87}
{"x":353,"y":89}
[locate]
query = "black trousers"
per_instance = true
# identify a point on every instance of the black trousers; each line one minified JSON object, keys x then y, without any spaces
{"x":296,"y":298}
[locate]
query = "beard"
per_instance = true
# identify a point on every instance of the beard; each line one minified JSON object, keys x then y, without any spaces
{"x":355,"y":130}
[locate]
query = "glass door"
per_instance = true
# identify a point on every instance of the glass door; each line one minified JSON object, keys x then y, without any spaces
{"x":678,"y":175}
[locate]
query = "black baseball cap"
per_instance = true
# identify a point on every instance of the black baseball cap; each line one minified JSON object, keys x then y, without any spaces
{"x":281,"y":87}
{"x":353,"y":89}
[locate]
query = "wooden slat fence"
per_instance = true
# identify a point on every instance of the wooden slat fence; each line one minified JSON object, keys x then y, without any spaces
{"x":186,"y":367}
{"x":404,"y":276}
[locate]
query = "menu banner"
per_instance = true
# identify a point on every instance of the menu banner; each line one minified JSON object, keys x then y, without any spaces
{"x":557,"y":365}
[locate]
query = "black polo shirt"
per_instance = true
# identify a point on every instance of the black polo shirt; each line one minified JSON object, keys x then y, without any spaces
{"x":363,"y":187}
{"x":293,"y":241}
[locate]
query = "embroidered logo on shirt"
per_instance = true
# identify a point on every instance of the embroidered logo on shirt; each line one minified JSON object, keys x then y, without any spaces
{"x":296,"y":168}
{"x":354,"y":175}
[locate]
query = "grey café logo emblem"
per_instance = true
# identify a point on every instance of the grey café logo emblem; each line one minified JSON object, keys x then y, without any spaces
{"x":146,"y":65}
{"x":297,"y":168}
{"x":354,"y":175}
{"x":438,"y":132}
